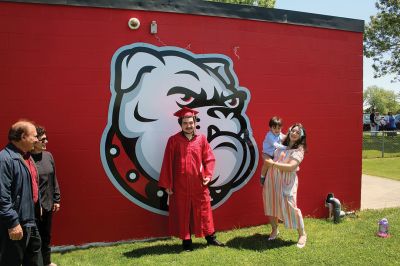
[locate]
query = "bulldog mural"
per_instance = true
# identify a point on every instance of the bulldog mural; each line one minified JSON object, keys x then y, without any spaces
{"x":149,"y":84}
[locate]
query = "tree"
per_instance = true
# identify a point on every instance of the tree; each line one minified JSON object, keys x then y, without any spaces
{"x":382,"y":100}
{"x":382,"y":39}
{"x":261,"y":3}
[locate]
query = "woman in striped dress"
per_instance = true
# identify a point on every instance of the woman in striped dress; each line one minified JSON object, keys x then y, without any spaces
{"x":280,"y":186}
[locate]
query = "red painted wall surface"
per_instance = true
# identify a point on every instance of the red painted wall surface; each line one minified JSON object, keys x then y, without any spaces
{"x":55,"y":70}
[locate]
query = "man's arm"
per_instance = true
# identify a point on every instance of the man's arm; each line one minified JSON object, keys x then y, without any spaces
{"x":165,"y":181}
{"x":7,"y":214}
{"x":56,"y":189}
{"x":208,"y":160}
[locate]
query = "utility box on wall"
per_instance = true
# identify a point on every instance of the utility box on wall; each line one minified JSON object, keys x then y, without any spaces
{"x":105,"y":77}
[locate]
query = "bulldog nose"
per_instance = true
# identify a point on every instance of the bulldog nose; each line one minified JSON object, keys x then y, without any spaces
{"x":221,"y":113}
{"x":226,"y":120}
{"x":212,"y":132}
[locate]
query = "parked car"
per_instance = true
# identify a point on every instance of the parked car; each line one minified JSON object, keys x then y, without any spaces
{"x":397,"y":120}
{"x":383,"y":121}
{"x":366,"y":125}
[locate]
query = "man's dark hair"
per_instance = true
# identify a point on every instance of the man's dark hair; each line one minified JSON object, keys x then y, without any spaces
{"x":19,"y":128}
{"x":275,"y":121}
{"x":180,"y":119}
{"x":40,"y":131}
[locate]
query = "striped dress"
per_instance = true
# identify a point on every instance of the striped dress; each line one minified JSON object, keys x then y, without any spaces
{"x":280,"y":190}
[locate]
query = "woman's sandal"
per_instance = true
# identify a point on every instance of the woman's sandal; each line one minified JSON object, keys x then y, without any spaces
{"x":302,"y":241}
{"x":273,"y":236}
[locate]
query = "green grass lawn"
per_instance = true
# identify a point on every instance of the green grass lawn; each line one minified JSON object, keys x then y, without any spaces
{"x":384,"y":167}
{"x":373,"y":163}
{"x":352,"y":242}
{"x":372,"y":146}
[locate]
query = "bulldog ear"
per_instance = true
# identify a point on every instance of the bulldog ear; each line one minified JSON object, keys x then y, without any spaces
{"x":131,"y":65}
{"x":215,"y":65}
{"x":220,"y":68}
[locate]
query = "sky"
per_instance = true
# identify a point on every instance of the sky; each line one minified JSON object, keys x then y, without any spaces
{"x":357,"y":9}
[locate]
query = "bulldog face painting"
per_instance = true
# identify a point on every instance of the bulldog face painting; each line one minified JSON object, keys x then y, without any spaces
{"x":149,"y":84}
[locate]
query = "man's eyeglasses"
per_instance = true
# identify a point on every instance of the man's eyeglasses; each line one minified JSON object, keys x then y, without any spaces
{"x":43,"y":140}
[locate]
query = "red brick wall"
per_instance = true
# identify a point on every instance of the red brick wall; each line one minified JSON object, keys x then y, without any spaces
{"x":55,"y":70}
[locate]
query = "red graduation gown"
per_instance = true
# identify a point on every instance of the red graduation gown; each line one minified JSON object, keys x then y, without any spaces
{"x":184,"y":165}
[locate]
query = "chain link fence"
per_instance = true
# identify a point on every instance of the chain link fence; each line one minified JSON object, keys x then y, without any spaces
{"x":379,"y":144}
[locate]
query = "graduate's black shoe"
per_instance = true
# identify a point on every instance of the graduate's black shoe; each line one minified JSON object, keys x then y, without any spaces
{"x":187,"y":245}
{"x":212,"y":241}
{"x":215,"y":242}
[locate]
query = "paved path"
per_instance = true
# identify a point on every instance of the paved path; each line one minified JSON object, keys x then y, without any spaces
{"x":378,"y":192}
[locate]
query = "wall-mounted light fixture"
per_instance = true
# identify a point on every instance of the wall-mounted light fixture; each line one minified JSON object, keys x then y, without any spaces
{"x":133,"y":23}
{"x":153,"y":27}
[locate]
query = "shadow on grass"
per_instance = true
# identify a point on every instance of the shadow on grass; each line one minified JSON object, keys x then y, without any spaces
{"x":160,"y":250}
{"x":258,"y":242}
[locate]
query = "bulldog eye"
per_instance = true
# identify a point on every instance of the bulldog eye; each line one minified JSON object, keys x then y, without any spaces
{"x":183,"y":95}
{"x":232,"y":103}
{"x":187,"y":99}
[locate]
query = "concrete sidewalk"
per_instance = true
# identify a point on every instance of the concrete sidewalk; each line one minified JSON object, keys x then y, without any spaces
{"x":378,"y":192}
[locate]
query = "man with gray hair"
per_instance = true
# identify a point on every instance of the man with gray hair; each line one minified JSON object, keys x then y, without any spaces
{"x":19,"y":236}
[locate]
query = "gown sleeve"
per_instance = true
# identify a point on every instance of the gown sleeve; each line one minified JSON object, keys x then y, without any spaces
{"x":165,"y":180}
{"x":208,"y":159}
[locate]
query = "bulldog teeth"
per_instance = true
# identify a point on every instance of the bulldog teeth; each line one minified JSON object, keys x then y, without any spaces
{"x":212,"y":130}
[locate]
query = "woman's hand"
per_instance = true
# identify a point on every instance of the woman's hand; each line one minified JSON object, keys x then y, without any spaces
{"x":269,"y":162}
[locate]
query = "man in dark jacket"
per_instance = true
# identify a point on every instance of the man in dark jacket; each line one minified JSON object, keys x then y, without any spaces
{"x":19,"y":235}
{"x":372,"y":122}
{"x":49,"y":192}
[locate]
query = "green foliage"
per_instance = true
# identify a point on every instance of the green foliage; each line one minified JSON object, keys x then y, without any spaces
{"x":351,"y":242}
{"x":382,"y":100}
{"x":260,"y":3}
{"x":382,"y":39}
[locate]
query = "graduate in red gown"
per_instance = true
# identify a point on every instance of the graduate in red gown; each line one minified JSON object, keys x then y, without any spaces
{"x":186,"y":170}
